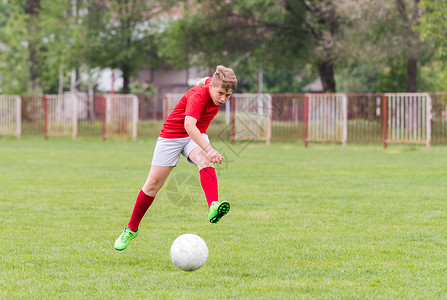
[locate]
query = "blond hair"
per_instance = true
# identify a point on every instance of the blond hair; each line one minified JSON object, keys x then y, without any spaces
{"x":224,"y":77}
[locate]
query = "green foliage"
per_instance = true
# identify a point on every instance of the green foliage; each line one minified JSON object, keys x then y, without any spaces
{"x":393,"y":79}
{"x":52,"y":40}
{"x":57,"y":23}
{"x":246,"y":35}
{"x":4,"y":14}
{"x":13,"y":51}
{"x":431,"y":77}
{"x":434,"y":76}
{"x":434,"y":25}
{"x":284,"y":81}
{"x":362,"y":78}
{"x":207,"y":37}
{"x":120,"y":35}
{"x":66,"y":40}
{"x":143,"y":89}
{"x":367,"y":42}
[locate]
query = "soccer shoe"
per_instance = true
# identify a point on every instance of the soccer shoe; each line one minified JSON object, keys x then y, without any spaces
{"x":123,"y":240}
{"x":218,"y":210}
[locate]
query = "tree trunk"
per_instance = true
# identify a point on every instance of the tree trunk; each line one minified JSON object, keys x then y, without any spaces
{"x":412,"y":40}
{"x":412,"y":62}
{"x":126,"y":79}
{"x":32,"y":10}
{"x":326,"y":71}
{"x":33,"y":68}
{"x":412,"y":75}
{"x":32,"y":7}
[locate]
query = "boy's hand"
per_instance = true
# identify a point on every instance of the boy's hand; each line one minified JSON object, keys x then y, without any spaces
{"x":214,"y":156}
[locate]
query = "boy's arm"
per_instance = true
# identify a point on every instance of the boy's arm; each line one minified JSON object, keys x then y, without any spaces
{"x":194,"y":133}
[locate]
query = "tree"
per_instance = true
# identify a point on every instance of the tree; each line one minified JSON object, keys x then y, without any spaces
{"x":121,"y":35}
{"x":58,"y":25}
{"x":14,"y":66}
{"x":63,"y":35}
{"x":322,"y":23}
{"x":433,"y":25}
{"x":386,"y":52}
{"x":405,"y":51}
{"x":229,"y":33}
{"x":32,"y":8}
{"x":412,"y":44}
{"x":225,"y":34}
{"x":37,"y":37}
{"x":286,"y":34}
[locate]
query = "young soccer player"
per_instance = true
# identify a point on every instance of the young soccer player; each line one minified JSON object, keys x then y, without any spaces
{"x":184,"y":132}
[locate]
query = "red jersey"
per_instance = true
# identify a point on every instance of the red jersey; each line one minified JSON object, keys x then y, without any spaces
{"x":196,"y":103}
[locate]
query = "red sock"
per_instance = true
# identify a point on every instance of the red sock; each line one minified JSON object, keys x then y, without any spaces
{"x":140,"y":208}
{"x":208,"y":179}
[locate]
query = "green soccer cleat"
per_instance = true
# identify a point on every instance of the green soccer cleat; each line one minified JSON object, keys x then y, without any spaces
{"x":123,"y":240}
{"x":218,"y":210}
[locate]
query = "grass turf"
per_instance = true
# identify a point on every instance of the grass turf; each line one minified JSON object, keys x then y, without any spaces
{"x":322,"y":222}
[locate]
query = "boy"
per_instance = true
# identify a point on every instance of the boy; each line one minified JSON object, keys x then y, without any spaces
{"x":184,"y":132}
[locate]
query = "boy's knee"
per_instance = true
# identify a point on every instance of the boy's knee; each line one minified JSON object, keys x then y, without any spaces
{"x":153,"y":182}
{"x":152,"y":186}
{"x":200,"y":159}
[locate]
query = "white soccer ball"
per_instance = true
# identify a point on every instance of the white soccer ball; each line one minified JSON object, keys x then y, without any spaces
{"x":189,"y":252}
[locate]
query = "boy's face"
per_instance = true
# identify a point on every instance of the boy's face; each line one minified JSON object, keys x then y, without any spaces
{"x":219,"y":94}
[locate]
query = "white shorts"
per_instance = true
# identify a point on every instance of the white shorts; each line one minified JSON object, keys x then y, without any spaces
{"x":167,"y":151}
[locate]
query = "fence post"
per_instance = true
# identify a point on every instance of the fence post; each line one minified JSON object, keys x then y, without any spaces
{"x":19,"y":116}
{"x":134,"y":117}
{"x":233,"y":118}
{"x":154,"y":106}
{"x":227,"y":112}
{"x":306,"y":119}
{"x":268,"y":135}
{"x":74,"y":117}
{"x":45,"y":107}
{"x":345,"y":120}
{"x":104,"y":120}
{"x":428,"y":118}
{"x":385,"y":120}
{"x":165,"y":108}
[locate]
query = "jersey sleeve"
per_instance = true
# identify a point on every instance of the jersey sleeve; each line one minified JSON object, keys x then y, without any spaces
{"x":208,"y":80}
{"x":194,"y":107}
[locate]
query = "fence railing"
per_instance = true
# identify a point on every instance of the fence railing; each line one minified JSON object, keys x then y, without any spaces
{"x":419,"y":118}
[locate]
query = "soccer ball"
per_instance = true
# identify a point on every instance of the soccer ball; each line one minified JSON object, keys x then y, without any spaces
{"x":189,"y":252}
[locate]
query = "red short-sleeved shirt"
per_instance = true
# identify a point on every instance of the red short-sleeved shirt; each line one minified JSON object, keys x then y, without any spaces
{"x":196,"y":103}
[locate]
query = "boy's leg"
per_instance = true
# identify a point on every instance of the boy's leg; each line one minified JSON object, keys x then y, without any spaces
{"x":208,"y":177}
{"x":155,"y":180}
{"x":208,"y":180}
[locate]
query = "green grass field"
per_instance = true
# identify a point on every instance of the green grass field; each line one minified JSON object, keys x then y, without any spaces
{"x":322,"y":222}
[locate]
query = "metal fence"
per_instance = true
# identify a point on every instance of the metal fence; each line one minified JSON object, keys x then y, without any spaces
{"x":439,"y":118}
{"x":10,"y":122}
{"x":408,"y":118}
{"x":419,"y":118}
